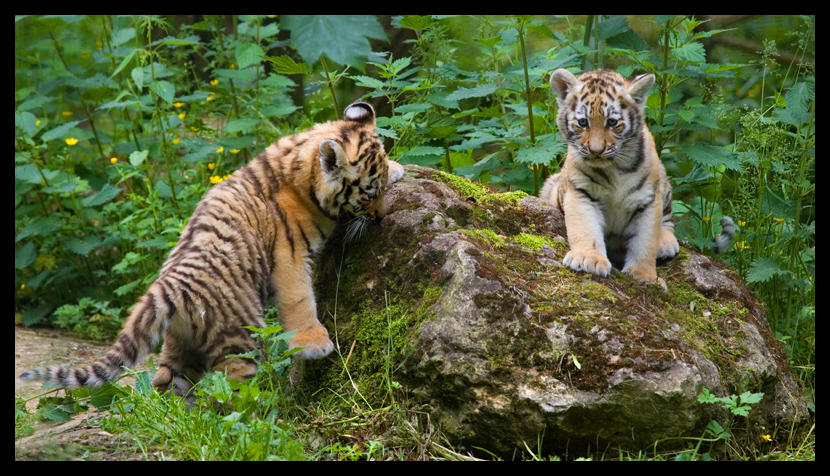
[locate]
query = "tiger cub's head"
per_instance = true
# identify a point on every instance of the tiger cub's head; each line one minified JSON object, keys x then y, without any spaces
{"x":355,"y":169}
{"x":601,"y":115}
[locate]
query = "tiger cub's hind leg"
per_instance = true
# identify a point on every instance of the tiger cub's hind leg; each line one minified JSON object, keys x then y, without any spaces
{"x":180,"y":367}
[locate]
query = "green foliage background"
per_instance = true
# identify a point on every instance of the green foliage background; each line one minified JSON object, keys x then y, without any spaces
{"x":123,"y":123}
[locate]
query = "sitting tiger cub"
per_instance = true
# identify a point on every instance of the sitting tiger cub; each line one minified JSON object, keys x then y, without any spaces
{"x":612,"y":189}
{"x":251,"y":235}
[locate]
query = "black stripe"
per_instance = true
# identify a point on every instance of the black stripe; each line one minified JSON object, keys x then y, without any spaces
{"x":640,"y":155}
{"x":313,"y":195}
{"x":586,"y":194}
{"x":284,"y":219}
{"x":641,"y":208}
{"x":270,"y":175}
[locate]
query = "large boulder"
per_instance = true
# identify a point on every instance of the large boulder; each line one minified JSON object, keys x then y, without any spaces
{"x":460,"y":295}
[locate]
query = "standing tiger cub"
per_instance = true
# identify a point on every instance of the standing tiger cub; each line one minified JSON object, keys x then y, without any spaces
{"x":612,"y":189}
{"x":251,"y":235}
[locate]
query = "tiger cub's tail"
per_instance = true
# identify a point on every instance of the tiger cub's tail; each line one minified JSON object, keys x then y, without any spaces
{"x":141,"y":332}
{"x":727,"y":236}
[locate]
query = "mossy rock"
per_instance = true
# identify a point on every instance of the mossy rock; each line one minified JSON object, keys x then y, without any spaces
{"x":459,"y":294}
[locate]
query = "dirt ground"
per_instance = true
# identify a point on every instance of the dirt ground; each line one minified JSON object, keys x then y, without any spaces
{"x":81,"y":437}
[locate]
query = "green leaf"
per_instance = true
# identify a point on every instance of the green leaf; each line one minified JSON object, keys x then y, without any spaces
{"x":367,"y":82}
{"x":127,"y":288}
{"x":798,"y":100}
{"x":422,"y":155}
{"x":138,"y":157}
{"x":712,"y":156}
{"x":489,"y":42}
{"x":102,"y":397}
{"x":54,"y":413}
{"x":476,"y":92}
{"x":764,"y":269}
{"x":164,"y":90}
{"x":341,"y":38}
{"x":423,"y":150}
{"x":248,"y":54}
{"x":240,"y":125}
{"x":540,"y":154}
{"x":138,"y":77}
{"x":83,"y":246}
{"x":35,"y":315}
{"x":692,"y":52}
{"x":416,"y":22}
{"x":707,"y":397}
{"x":236,"y":142}
{"x":778,"y":206}
{"x":107,"y":193}
{"x":200,"y":154}
{"x":43,"y":226}
{"x":660,"y":19}
{"x":751,"y":398}
{"x":33,"y":103}
{"x":122,"y":36}
{"x":25,"y":256}
{"x":28,"y":173}
{"x":127,"y":60}
{"x":612,"y":27}
{"x":285,"y":65}
{"x":58,"y":131}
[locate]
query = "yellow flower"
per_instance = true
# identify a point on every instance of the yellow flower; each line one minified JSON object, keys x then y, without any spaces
{"x":234,"y":151}
{"x":707,"y":218}
{"x":210,"y":98}
{"x":214,"y":180}
{"x":214,"y":82}
{"x":220,"y":150}
{"x":37,"y":122}
{"x":71,"y":141}
{"x":66,"y":113}
{"x":766,"y":437}
{"x":176,"y":141}
{"x":114,"y":160}
{"x":741,"y":223}
{"x":743,"y":246}
{"x":181,"y":116}
{"x":211,"y":166}
{"x":779,"y":220}
{"x":178,"y":104}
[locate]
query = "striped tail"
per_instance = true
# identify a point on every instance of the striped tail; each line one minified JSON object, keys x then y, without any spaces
{"x":141,"y":332}
{"x":727,"y":236}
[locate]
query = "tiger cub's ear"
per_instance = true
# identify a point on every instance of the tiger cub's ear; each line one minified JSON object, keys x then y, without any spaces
{"x":359,"y":112}
{"x":561,"y":83}
{"x":331,"y":155}
{"x":639,"y":87}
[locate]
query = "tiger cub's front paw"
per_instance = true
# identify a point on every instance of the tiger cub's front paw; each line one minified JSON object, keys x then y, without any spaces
{"x":668,"y":247}
{"x":314,"y":341}
{"x":645,"y":276}
{"x":590,"y":261}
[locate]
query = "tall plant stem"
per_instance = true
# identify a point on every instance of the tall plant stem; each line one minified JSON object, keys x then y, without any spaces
{"x":330,"y":85}
{"x":536,"y":170}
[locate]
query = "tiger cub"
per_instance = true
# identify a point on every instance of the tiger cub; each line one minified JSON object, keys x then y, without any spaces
{"x":251,"y":235}
{"x":612,"y":189}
